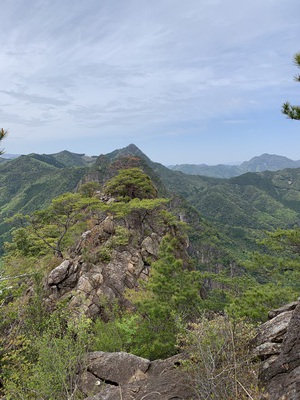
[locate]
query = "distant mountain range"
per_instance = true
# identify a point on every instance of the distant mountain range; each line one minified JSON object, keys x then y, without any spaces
{"x":9,"y":156}
{"x":240,"y":207}
{"x":62,"y":159}
{"x":265,"y":162}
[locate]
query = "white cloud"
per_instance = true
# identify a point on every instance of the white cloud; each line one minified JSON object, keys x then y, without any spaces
{"x":118,"y":67}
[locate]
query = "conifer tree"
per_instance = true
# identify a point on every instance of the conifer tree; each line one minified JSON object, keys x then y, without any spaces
{"x":293,"y":112}
{"x":131,"y":183}
{"x":3,"y":134}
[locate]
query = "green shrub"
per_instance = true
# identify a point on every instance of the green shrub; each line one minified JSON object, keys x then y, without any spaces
{"x":49,"y":362}
{"x":121,"y":236}
{"x":220,"y":363}
{"x":104,"y":254}
{"x":118,"y":334}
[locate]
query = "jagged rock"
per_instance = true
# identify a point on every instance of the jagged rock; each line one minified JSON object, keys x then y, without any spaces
{"x":84,"y":285}
{"x":111,"y":376}
{"x":150,"y":246}
{"x":59,"y":273}
{"x":286,"y":307}
{"x":96,"y":279}
{"x":89,"y":383}
{"x":267,"y":349}
{"x":280,"y":371}
{"x":108,"y":225}
{"x":114,"y":255}
{"x":274,"y":329}
{"x":118,"y":367}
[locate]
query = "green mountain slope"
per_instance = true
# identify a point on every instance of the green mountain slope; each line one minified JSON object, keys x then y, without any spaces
{"x":244,"y":206}
{"x":30,"y":182}
{"x":240,"y":208}
{"x":214,"y":171}
{"x":2,"y":160}
{"x":68,"y":159}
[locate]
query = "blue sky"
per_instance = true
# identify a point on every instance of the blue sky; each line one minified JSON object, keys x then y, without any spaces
{"x":195,"y":81}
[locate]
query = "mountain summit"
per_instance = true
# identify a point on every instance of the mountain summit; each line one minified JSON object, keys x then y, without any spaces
{"x":268,"y":162}
{"x":264,"y":162}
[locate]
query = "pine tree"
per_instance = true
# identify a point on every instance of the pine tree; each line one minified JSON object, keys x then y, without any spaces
{"x":293,"y":112}
{"x":131,"y":183}
{"x":3,"y":134}
{"x":170,"y":298}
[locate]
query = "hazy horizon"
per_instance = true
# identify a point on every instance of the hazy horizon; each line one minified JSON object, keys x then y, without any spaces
{"x":232,"y":163}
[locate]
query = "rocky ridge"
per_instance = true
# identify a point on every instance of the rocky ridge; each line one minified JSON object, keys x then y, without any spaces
{"x":115,"y":254}
{"x":278,"y":346}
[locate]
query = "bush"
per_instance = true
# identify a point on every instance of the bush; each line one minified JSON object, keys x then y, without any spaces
{"x":258,"y":300}
{"x":50,"y":361}
{"x":118,"y":334}
{"x":220,"y":364}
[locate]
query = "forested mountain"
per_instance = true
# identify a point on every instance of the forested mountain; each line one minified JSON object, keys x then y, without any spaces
{"x":125,"y":255}
{"x":240,"y":207}
{"x":265,"y":162}
{"x":28,"y":183}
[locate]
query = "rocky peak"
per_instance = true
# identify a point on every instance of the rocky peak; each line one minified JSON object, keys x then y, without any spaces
{"x":132,"y":150}
{"x":115,"y":254}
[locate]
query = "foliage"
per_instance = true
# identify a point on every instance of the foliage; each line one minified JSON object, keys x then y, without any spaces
{"x":3,"y":134}
{"x":48,"y":228}
{"x":89,"y":189}
{"x":40,"y":353}
{"x":283,"y":239}
{"x":61,"y":351}
{"x":32,"y":340}
{"x":273,"y":277}
{"x":28,"y":184}
{"x":25,"y":244}
{"x":219,"y":361}
{"x":267,"y":280}
{"x":293,"y":112}
{"x":117,"y":334}
{"x":49,"y":369}
{"x":121,"y":237}
{"x":104,"y":254}
{"x":170,"y":297}
{"x":141,"y":207}
{"x":256,"y":301}
{"x":130,"y":184}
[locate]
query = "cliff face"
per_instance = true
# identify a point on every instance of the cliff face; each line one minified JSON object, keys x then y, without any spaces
{"x":116,"y":254}
{"x":278,"y":346}
{"x":113,"y":255}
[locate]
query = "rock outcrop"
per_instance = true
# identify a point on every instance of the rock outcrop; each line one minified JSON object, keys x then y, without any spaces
{"x":278,"y":346}
{"x":114,"y":376}
{"x":109,"y":258}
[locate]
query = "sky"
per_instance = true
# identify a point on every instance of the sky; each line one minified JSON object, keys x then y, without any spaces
{"x":194,"y":81}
